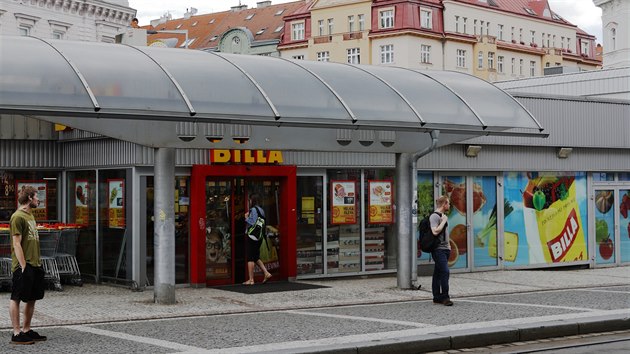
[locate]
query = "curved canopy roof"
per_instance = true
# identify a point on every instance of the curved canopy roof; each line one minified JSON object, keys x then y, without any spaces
{"x":98,"y":80}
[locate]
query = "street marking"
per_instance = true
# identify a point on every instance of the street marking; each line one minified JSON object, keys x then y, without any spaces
{"x":401,"y":334}
{"x":606,"y":291}
{"x":359,"y":318}
{"x":528,"y":305}
{"x":144,"y":340}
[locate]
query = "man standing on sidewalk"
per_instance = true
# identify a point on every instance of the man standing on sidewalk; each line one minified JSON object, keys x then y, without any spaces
{"x":439,"y":225}
{"x":28,"y":275}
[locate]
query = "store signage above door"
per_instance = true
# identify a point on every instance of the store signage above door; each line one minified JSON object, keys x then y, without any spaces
{"x":261,"y":157}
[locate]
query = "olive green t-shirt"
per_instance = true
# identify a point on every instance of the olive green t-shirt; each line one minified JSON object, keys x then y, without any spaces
{"x":23,"y":224}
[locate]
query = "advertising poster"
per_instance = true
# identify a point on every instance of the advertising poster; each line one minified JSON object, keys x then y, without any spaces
{"x":344,"y":210}
{"x":308,"y":210}
{"x":484,"y":221}
{"x":454,"y":187}
{"x":624,"y":224}
{"x":116,"y":188}
{"x":82,"y":193}
{"x":604,"y":226}
{"x":380,"y":205}
{"x":424,"y":205}
{"x":547,"y":222}
{"x":41,"y":212}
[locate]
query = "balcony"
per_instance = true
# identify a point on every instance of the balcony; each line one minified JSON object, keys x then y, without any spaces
{"x":352,"y":35}
{"x":322,"y":39}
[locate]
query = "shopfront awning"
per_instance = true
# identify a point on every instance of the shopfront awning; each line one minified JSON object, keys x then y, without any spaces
{"x":136,"y":92}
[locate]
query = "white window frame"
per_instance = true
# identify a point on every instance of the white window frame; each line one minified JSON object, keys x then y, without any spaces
{"x":500,"y":64}
{"x":387,"y":54}
{"x":331,"y":26}
{"x":465,"y":20}
{"x":613,"y":38}
{"x":585,"y":48}
{"x":520,"y":67}
{"x":320,"y":25}
{"x":532,"y":68}
{"x":533,"y":34}
{"x":297,"y":31}
{"x":354,"y":55}
{"x":513,"y":66}
{"x":461,"y":58}
{"x":488,"y":28}
{"x":480,"y":60}
{"x":323,"y":56}
{"x":361,"y":22}
{"x":425,"y":54}
{"x":351,"y":23}
{"x":490,"y":60}
{"x":386,"y":18}
{"x":24,"y":30}
{"x":500,"y":32}
{"x":475,"y":27}
{"x":426,"y":19}
{"x":456,"y":24}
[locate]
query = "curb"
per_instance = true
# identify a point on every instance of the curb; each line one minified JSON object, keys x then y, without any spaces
{"x":479,"y":337}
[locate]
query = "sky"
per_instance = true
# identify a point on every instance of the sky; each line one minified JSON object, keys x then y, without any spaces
{"x":582,"y":13}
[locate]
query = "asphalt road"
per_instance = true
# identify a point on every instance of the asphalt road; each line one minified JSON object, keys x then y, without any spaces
{"x":311,"y":330}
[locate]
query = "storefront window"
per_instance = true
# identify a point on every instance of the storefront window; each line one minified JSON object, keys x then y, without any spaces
{"x":343,"y":237}
{"x":425,"y":205}
{"x":114,"y":223}
{"x":82,"y":211}
{"x":624,"y":224}
{"x":47,"y":187}
{"x":624,"y":176}
{"x":310,"y":192}
{"x":548,"y":221}
{"x":603,"y":177}
{"x":604,"y":226}
{"x":380,"y":237}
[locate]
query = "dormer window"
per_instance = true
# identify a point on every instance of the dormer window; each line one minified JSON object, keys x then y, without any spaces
{"x":278,"y":29}
{"x":279,"y":12}
{"x":262,"y":30}
{"x":214,"y":38}
{"x":530,"y":11}
{"x":178,"y":26}
{"x":211,"y":22}
{"x":249,"y":17}
{"x":556,"y":17}
{"x":386,"y":19}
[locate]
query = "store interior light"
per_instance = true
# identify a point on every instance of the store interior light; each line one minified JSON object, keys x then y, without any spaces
{"x":564,"y":153}
{"x":472,"y":150}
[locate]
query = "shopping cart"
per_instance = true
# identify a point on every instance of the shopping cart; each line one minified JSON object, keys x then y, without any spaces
{"x":48,"y":242}
{"x":5,"y":260}
{"x":66,"y":256}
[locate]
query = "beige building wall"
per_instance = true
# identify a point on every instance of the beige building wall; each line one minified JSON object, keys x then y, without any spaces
{"x":407,"y":51}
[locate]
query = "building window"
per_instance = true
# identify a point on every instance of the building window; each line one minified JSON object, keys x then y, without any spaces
{"x":512,"y":35}
{"x":187,"y":43}
{"x":542,"y":39}
{"x":513,"y":65}
{"x":297,"y":33}
{"x":298,"y":57}
{"x":249,"y":17}
{"x":426,"y":20}
{"x":568,"y":43}
{"x":532,"y":68}
{"x":533,"y":34}
{"x":24,"y":31}
{"x":490,"y":60}
{"x":464,"y":27}
{"x":279,"y":12}
{"x":613,"y":38}
{"x":520,"y":35}
{"x":480,"y":60}
{"x":562,"y":42}
{"x":350,"y":23}
{"x":361,"y":22}
{"x":278,"y":29}
{"x":487,"y":28}
{"x":58,"y":35}
{"x":500,"y":64}
{"x":520,"y":68}
{"x":585,"y":48}
{"x":500,"y":32}
{"x":475,"y":27}
{"x":354,"y":56}
{"x":553,"y":41}
{"x":261,"y":31}
{"x":320,"y":25}
{"x":387,"y":54}
{"x":456,"y":24}
{"x":331,"y":26}
{"x":548,"y":39}
{"x":425,"y":54}
{"x":386,"y":18}
{"x":323,"y":56}
{"x":461,"y":58}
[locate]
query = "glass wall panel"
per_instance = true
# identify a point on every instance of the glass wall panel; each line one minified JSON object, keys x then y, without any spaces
{"x":218,"y":229}
{"x":484,"y":220}
{"x":82,"y":211}
{"x":380,"y":237}
{"x":47,"y":187}
{"x":426,"y":205}
{"x":455,"y":188}
{"x":604,"y":226}
{"x":548,"y":223}
{"x":343,"y":237}
{"x":603,"y":177}
{"x":624,"y":224}
{"x":114,"y":241}
{"x":310,"y":192}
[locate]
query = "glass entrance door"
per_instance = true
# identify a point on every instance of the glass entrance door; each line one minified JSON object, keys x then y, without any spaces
{"x":219,"y":209}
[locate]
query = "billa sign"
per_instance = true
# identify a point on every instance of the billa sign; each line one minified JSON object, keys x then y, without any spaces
{"x":259,"y":157}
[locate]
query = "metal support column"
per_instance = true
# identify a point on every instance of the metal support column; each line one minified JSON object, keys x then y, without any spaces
{"x":164,"y":229}
{"x":403,"y":219}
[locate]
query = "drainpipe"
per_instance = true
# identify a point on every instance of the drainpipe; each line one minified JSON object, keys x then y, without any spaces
{"x":414,"y":213}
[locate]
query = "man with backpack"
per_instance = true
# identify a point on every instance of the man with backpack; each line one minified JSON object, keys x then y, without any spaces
{"x":441,"y":273}
{"x":254,"y":239}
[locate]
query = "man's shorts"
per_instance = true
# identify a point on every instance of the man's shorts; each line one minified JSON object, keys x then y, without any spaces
{"x":28,"y":285}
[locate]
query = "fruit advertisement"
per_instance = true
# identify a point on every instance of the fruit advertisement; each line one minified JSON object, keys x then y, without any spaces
{"x":604,"y":226}
{"x":547,"y":218}
{"x":380,"y":207}
{"x":81,"y":211}
{"x":116,"y":202}
{"x":624,"y":223}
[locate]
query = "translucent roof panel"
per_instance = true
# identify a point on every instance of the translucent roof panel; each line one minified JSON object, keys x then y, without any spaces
{"x":371,"y":100}
{"x":203,"y":78}
{"x":434,"y":102}
{"x":123,"y":78}
{"x":24,"y":80}
{"x":294,"y":91}
{"x":494,"y":106}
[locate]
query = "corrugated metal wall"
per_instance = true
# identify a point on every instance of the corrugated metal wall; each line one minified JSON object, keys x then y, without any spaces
{"x":25,"y":128}
{"x":104,"y":153}
{"x":29,"y":154}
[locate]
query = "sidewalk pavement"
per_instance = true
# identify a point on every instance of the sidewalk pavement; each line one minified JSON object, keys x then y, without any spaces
{"x":103,"y":303}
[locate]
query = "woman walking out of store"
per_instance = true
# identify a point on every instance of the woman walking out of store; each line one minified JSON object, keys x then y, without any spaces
{"x":253,"y":244}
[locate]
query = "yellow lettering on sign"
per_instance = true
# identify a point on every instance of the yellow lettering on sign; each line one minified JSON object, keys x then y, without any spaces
{"x":260,"y":156}
{"x":248,"y":157}
{"x":220,"y":156}
{"x":275,"y":156}
{"x":236,"y":156}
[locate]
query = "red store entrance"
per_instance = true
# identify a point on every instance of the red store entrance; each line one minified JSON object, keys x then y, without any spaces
{"x":219,"y":198}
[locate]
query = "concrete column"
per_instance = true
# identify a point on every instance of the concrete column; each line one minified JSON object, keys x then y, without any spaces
{"x":403,"y":219}
{"x":164,"y":226}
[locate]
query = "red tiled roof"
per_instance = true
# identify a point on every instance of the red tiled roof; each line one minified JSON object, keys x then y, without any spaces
{"x":204,"y":31}
{"x":519,"y":7}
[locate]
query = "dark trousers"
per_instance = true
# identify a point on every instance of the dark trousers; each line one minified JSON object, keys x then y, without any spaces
{"x":441,"y":274}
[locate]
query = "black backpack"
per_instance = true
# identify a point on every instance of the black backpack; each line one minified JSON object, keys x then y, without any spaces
{"x":428,"y":241}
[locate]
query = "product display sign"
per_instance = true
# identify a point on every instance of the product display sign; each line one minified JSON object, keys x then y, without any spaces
{"x":41,"y":212}
{"x":81,"y":210}
{"x":344,"y":208}
{"x":380,"y":194}
{"x":547,"y":223}
{"x":116,"y":195}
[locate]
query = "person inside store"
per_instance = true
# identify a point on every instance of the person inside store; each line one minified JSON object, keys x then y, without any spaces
{"x":253,"y":244}
{"x":441,"y":273}
{"x":28,"y":274}
{"x":134,"y":23}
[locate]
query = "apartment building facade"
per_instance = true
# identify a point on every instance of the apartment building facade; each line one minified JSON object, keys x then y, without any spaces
{"x":491,"y":39}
